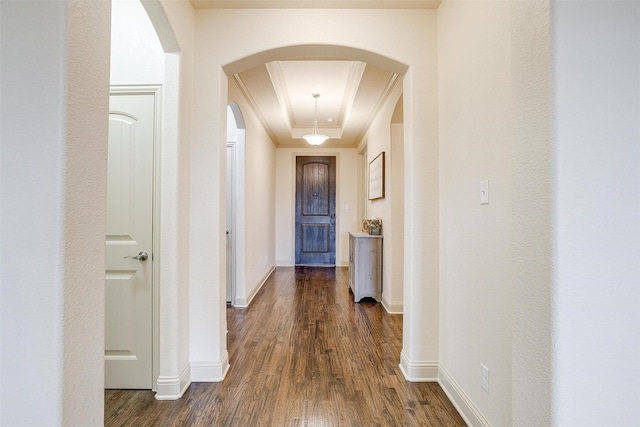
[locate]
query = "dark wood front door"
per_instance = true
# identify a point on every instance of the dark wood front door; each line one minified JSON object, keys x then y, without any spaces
{"x":316,"y":210}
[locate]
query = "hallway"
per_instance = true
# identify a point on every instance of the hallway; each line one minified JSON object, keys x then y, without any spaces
{"x":302,"y":354}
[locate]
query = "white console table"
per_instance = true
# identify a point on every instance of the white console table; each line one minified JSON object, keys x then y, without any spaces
{"x":365,"y":266}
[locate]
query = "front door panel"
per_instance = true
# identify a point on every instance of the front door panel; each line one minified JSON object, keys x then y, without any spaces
{"x":315,"y":210}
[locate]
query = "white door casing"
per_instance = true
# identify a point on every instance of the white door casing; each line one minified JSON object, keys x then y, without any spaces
{"x":231,"y":158}
{"x":129,"y":281}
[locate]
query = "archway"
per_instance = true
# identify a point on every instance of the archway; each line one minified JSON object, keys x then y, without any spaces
{"x":394,"y":276}
{"x":420,"y":335}
{"x":235,"y":166}
{"x":155,"y":42}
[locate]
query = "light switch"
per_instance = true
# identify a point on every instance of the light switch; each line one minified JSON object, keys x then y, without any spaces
{"x":484,"y":192}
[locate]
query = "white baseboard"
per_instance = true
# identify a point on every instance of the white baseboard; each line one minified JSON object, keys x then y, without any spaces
{"x":391,"y":307}
{"x":244,"y":302}
{"x":172,"y":387}
{"x":418,"y":371}
{"x":469,"y":412}
{"x":435,"y":372}
{"x":210,"y":372}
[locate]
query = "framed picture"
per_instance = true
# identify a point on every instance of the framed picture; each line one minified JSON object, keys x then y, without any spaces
{"x":376,"y":177}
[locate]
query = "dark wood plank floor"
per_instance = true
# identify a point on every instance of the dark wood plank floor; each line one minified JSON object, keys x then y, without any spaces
{"x":302,"y":354}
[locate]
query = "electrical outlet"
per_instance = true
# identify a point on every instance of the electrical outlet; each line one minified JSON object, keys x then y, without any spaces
{"x":484,"y":378}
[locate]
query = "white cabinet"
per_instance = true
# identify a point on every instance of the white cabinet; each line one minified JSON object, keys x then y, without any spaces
{"x":365,"y":266}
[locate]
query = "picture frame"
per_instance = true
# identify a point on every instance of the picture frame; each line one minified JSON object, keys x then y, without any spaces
{"x":376,"y":177}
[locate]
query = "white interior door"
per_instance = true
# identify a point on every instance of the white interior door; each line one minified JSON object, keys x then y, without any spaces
{"x":129,"y":271}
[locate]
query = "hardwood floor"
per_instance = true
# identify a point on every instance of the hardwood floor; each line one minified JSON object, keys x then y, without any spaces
{"x":302,"y":354}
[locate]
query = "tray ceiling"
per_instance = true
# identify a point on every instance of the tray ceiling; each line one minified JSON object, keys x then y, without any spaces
{"x":351,"y":94}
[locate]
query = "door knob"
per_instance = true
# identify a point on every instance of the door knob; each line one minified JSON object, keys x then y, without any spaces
{"x":142,"y":256}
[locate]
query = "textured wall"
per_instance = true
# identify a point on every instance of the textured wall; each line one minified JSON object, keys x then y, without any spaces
{"x":597,"y":213}
{"x":54,"y":155}
{"x":532,"y":213}
{"x":87,"y":101}
{"x":32,"y":206}
{"x":476,"y":120}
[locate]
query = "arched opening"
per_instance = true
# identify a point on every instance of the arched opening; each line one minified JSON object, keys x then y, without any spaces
{"x":396,"y":51}
{"x":145,"y":55}
{"x":393,"y":141}
{"x":235,"y":205}
{"x":393,"y":299}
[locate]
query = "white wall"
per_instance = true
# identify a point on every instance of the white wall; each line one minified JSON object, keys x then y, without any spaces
{"x":597,"y":214}
{"x":387,"y":39}
{"x":139,"y":58}
{"x":53,"y":179}
{"x":136,"y":54}
{"x":175,"y":27}
{"x":260,"y":201}
{"x":531,"y":213}
{"x":346,"y":202}
{"x":474,"y":67}
{"x":420,"y":340}
{"x":53,"y":187}
{"x":394,"y":301}
{"x":379,"y":139}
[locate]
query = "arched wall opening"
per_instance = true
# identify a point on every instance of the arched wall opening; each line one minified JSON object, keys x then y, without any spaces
{"x":315,"y":52}
{"x":348,"y":194}
{"x":420,"y":336}
{"x":395,"y":273}
{"x":235,"y":166}
{"x":145,"y":52}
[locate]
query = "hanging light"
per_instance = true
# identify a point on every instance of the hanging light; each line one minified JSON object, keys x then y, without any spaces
{"x":315,"y":138}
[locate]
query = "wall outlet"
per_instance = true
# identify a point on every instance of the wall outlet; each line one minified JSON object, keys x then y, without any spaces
{"x":484,"y":378}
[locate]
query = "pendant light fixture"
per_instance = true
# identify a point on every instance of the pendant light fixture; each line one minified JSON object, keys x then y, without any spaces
{"x":315,"y":138}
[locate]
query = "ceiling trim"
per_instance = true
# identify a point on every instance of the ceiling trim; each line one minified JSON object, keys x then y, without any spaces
{"x":315,"y":52}
{"x":296,"y":128}
{"x":315,"y":4}
{"x":353,"y":82}
{"x":279,"y":119}
{"x":391,"y":83}
{"x":254,"y":107}
{"x":280,"y":87}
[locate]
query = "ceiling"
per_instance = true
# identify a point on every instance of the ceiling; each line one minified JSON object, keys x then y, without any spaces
{"x":281,"y":95}
{"x":281,"y":92}
{"x":315,"y":4}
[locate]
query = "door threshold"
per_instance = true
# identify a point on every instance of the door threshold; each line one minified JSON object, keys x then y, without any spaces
{"x":316,"y":265}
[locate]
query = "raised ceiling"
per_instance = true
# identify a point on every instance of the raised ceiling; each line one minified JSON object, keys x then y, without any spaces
{"x":315,"y":4}
{"x":281,"y":95}
{"x":281,"y":92}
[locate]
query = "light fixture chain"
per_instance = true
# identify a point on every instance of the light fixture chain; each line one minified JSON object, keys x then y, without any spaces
{"x":315,"y":138}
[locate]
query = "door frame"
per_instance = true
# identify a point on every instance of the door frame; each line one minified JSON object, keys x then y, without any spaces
{"x":336,"y":239}
{"x":156,"y":91}
{"x":231,"y":216}
{"x":239,"y":291}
